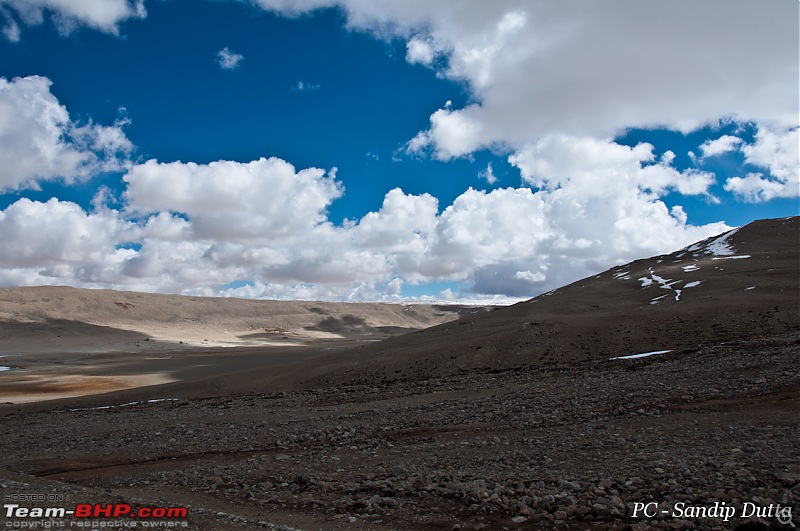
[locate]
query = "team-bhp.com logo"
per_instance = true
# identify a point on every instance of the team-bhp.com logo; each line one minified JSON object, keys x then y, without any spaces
{"x":88,"y":511}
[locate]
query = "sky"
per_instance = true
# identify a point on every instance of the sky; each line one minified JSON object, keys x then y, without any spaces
{"x":396,"y":151}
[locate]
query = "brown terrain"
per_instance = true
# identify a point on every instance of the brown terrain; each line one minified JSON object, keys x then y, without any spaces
{"x":293,"y":416}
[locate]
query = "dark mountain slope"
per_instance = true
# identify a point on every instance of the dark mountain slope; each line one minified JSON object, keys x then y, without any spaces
{"x":740,"y":285}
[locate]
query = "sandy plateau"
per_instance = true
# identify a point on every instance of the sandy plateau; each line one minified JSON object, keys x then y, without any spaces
{"x":672,"y":381}
{"x":60,"y":342}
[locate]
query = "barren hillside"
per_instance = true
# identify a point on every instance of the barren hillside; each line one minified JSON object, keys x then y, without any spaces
{"x":743,"y":284}
{"x":56,"y":318}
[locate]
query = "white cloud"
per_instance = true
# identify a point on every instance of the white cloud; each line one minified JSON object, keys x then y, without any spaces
{"x":448,"y":295}
{"x":551,"y":84}
{"x":540,"y":70}
{"x":590,"y":68}
{"x":422,"y":50}
{"x":394,"y":288}
{"x":488,"y":174}
{"x":58,"y":243}
{"x":452,"y":134}
{"x":259,"y":200}
{"x":403,"y":224}
{"x":104,"y":15}
{"x":419,"y":51}
{"x":293,"y":7}
{"x":38,"y":141}
{"x":482,"y":228}
{"x":604,"y":168}
{"x":204,"y":226}
{"x":62,"y":233}
{"x":556,"y":235}
{"x":194,"y":228}
{"x":227,"y":60}
{"x":754,"y":188}
{"x":11,"y":29}
{"x":721,"y":145}
{"x":303,"y":86}
{"x":530,"y":276}
{"x":777,"y":150}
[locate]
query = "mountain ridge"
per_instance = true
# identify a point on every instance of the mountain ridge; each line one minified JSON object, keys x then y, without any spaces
{"x":67,"y":318}
{"x":738,"y":285}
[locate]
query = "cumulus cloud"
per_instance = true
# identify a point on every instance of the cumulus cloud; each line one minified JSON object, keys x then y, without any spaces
{"x":754,"y":188}
{"x":103,"y":15}
{"x":227,"y":60}
{"x":63,"y":233}
{"x":420,"y":51}
{"x":603,"y":168}
{"x":403,"y":224}
{"x":57,"y":242}
{"x":721,"y":145}
{"x":484,"y":228}
{"x":551,"y":84}
{"x":590,"y":68}
{"x":518,"y":242}
{"x":194,"y":229}
{"x":777,"y":150}
{"x":233,"y":201}
{"x":452,"y":134}
{"x":38,"y":141}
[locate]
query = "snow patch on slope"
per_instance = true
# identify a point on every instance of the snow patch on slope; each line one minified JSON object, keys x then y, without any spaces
{"x":664,"y":283}
{"x":128,"y":404}
{"x":642,"y":355}
{"x":719,"y":246}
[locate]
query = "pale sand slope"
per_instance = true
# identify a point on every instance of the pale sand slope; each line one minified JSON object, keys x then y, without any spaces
{"x":61,"y":342}
{"x":37,"y":387}
{"x":56,"y":318}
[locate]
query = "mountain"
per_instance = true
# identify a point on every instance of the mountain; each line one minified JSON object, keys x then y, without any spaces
{"x":58,"y":318}
{"x":743,"y":284}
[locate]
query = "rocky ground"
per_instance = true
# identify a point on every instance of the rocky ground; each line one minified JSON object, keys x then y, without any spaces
{"x":555,"y":446}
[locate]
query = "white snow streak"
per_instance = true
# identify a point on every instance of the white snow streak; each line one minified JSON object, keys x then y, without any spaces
{"x":719,"y":246}
{"x":642,"y":355}
{"x":153,"y":401}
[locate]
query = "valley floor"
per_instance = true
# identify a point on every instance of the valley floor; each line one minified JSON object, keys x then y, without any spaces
{"x":560,"y":446}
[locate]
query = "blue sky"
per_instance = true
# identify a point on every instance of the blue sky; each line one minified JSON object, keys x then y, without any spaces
{"x":424,"y":150}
